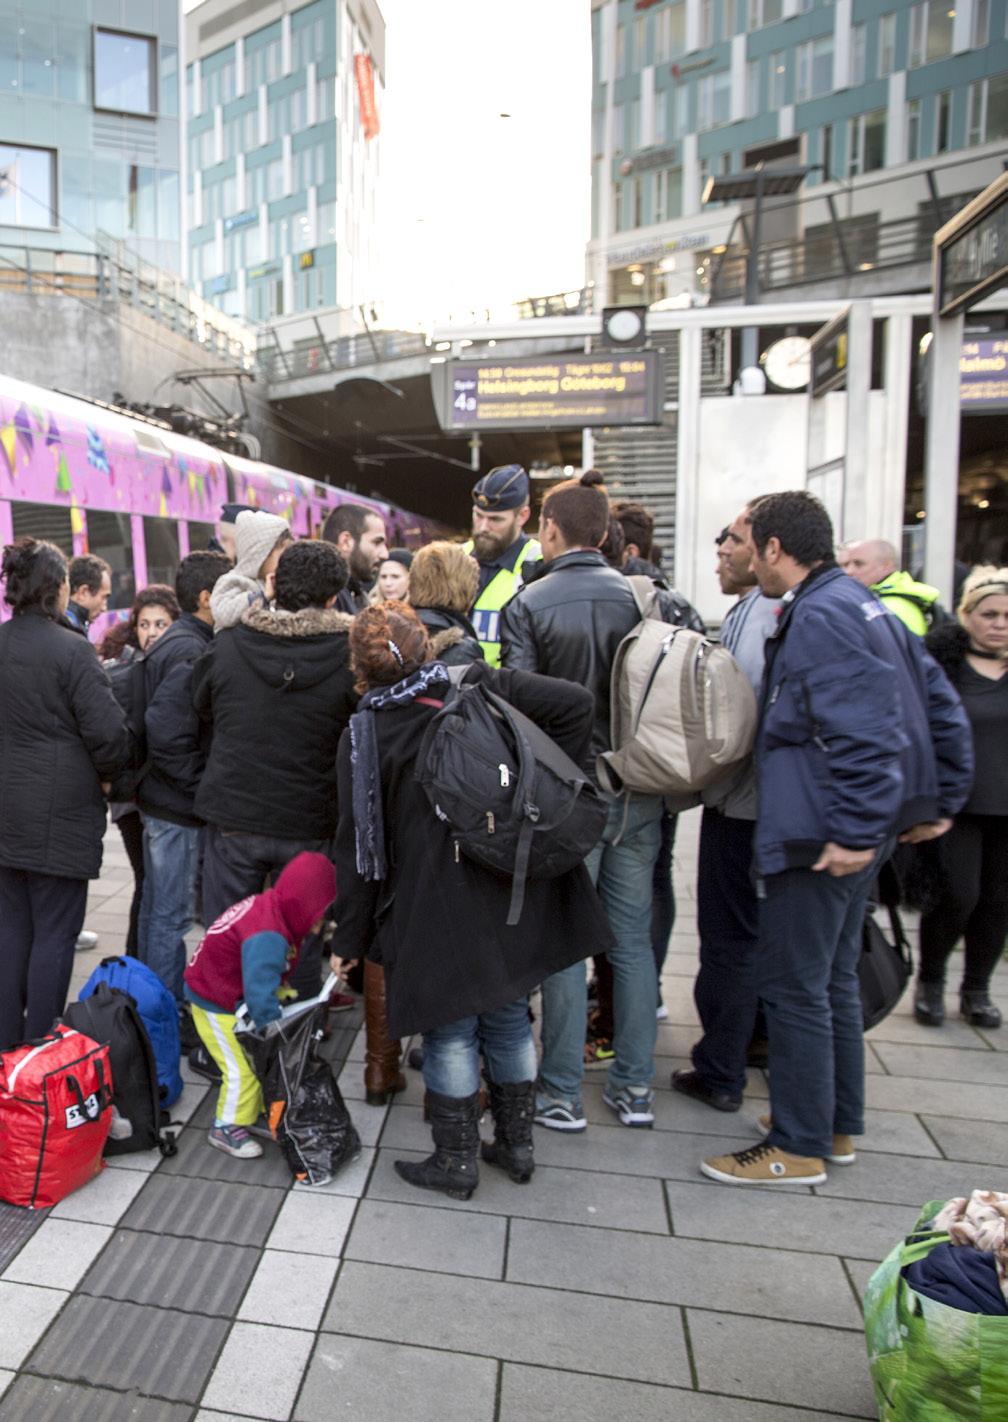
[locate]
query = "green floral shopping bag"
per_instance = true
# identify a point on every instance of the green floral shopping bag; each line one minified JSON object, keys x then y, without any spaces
{"x":930,"y":1362}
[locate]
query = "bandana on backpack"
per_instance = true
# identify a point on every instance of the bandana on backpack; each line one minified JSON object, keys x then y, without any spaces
{"x":369,"y":822}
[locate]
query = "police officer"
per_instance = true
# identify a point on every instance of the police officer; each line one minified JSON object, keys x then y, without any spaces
{"x":500,"y":511}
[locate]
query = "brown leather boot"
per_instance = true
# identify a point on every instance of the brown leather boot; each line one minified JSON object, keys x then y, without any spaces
{"x":382,"y":1077}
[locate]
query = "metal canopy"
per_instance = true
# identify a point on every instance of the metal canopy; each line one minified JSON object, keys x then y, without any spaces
{"x":755,"y":182}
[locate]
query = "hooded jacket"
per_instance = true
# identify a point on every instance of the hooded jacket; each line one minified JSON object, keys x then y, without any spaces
{"x":861,"y":735}
{"x":276,"y":692}
{"x":452,"y":636}
{"x":253,"y":946}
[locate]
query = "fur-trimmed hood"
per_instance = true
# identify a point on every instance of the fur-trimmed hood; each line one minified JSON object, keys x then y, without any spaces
{"x":441,"y":641}
{"x":307,"y":622}
{"x":452,"y":636}
{"x":948,"y":643}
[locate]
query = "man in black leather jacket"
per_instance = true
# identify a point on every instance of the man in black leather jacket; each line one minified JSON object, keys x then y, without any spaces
{"x":568,"y":622}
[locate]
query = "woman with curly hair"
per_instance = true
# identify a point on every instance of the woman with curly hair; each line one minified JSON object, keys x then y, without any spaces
{"x":436,"y":921}
{"x":970,"y":864}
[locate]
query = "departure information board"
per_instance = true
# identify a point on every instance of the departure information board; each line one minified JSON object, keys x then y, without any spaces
{"x":549,"y":392}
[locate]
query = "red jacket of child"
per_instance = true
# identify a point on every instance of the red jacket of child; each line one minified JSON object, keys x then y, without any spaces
{"x":303,"y":892}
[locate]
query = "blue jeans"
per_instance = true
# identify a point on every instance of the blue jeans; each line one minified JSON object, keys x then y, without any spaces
{"x":806,"y":976}
{"x":171,"y":854}
{"x":451,"y":1064}
{"x":624,"y":877}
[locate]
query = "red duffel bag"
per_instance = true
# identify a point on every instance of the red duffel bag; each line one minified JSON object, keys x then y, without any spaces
{"x":55,"y":1114}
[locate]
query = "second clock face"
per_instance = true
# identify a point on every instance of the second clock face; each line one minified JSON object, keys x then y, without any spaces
{"x":788,"y":362}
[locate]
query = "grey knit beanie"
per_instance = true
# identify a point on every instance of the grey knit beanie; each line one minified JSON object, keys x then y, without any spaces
{"x":256,"y":535}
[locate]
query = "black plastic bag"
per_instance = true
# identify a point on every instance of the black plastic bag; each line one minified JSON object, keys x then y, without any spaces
{"x":304,"y":1107}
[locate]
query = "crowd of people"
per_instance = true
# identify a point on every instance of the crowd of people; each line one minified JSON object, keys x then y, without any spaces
{"x":287,"y":688}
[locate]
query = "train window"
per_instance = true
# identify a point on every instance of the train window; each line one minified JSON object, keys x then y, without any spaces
{"x":200,"y":535}
{"x":161,"y":540}
{"x":110,"y":536}
{"x":48,"y":521}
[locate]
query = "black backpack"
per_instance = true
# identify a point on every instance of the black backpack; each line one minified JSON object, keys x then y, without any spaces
{"x":513,"y":800}
{"x":110,"y":1017}
{"x":129,"y":687}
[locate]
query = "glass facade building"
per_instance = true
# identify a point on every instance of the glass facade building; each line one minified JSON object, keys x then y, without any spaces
{"x":89,"y":126}
{"x":282,"y":165}
{"x":861,"y":92}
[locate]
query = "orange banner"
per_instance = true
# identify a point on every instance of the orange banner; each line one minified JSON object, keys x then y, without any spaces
{"x":364,"y":74}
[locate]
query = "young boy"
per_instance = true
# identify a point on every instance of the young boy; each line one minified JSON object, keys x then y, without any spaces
{"x":247,"y":955}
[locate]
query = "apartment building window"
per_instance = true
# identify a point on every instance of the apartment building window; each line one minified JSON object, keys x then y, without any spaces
{"x":914,"y":148}
{"x":640,"y":41}
{"x":858,"y":54}
{"x":814,"y":68}
{"x":707,"y":23}
{"x":634,"y":129}
{"x":660,"y":118}
{"x":620,"y":51}
{"x":987,"y":119}
{"x":778,"y":78}
{"x":616,"y":219}
{"x":887,"y":44}
{"x":682,"y":95}
{"x":752,"y":94}
{"x":250,"y":130}
{"x":618,"y":128}
{"x":325,"y":100}
{"x":866,"y":143}
{"x":714,"y":100}
{"x":764,"y":12}
{"x":981,"y":23}
{"x":125,"y":69}
{"x":310,"y":166}
{"x":667,"y":194}
{"x":598,"y":132}
{"x":27,"y":187}
{"x":262,"y":64}
{"x":637,"y":203}
{"x":670,"y":32}
{"x":307,"y":42}
{"x":930,"y":32}
{"x":943,"y":121}
{"x":218,"y":86}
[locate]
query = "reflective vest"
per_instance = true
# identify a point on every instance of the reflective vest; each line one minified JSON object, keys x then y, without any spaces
{"x":499,"y":591}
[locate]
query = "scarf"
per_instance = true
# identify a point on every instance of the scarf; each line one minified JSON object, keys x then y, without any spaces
{"x":369,"y":821}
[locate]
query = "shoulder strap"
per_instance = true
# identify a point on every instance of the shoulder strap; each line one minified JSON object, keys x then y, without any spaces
{"x":645,"y":595}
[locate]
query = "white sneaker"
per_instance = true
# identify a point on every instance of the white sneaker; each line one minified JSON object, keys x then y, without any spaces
{"x":662,"y":1013}
{"x":86,"y":940}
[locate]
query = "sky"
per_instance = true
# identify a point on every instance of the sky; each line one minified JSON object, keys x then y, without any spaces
{"x":479,"y":211}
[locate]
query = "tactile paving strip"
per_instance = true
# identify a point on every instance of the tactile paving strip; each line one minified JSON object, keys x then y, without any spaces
{"x":17,"y":1225}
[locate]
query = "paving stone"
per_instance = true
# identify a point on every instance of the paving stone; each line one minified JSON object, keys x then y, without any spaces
{"x":775,"y":1283}
{"x":52,"y":1400}
{"x":289,"y":1290}
{"x":421,"y":1237}
{"x":103,"y":1200}
{"x":191,"y":1274}
{"x":385,"y":1382}
{"x":262,"y":1368}
{"x":945,"y":1063}
{"x":196,"y":1094}
{"x":59,"y":1254}
{"x":129,"y":1347}
{"x":143,"y":1162}
{"x":6,"y":1378}
{"x":899,"y":1179}
{"x":900,"y":1028}
{"x":197,"y":1157}
{"x":781,"y":1362}
{"x":575,"y":1196}
{"x":27,"y":1312}
{"x":985,"y":1142}
{"x":758,"y":1215}
{"x":896,"y":1133}
{"x":509,"y":1321}
{"x":861,"y":1270}
{"x":311,"y":1222}
{"x":544,"y":1395}
{"x":204,"y":1209}
{"x":940,"y":1098}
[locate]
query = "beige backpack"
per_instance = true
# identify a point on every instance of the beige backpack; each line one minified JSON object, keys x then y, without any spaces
{"x":683,"y":712}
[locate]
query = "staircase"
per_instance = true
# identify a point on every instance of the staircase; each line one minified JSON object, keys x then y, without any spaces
{"x":639,"y":464}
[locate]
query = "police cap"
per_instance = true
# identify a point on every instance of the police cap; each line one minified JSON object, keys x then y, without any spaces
{"x":506,"y":487}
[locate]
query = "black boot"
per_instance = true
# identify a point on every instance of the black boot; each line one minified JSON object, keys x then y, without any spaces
{"x":512,"y":1105}
{"x":452,"y":1168}
{"x":929,"y":1003}
{"x":975,"y":1005}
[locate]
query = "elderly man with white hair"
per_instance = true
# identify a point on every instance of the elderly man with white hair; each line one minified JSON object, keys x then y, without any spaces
{"x":874,"y":563}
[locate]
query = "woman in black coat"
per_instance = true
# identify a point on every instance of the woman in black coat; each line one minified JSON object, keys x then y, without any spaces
{"x":62,"y":737}
{"x":969,"y":865}
{"x":443,"y":583}
{"x":434,"y":919}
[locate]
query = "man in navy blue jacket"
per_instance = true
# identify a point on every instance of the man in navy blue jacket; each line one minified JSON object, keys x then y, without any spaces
{"x":861,"y":740}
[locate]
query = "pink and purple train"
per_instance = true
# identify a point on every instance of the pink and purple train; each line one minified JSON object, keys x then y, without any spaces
{"x":95,"y":480}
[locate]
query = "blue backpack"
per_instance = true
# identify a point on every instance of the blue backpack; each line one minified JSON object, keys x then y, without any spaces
{"x":157,"y":1009}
